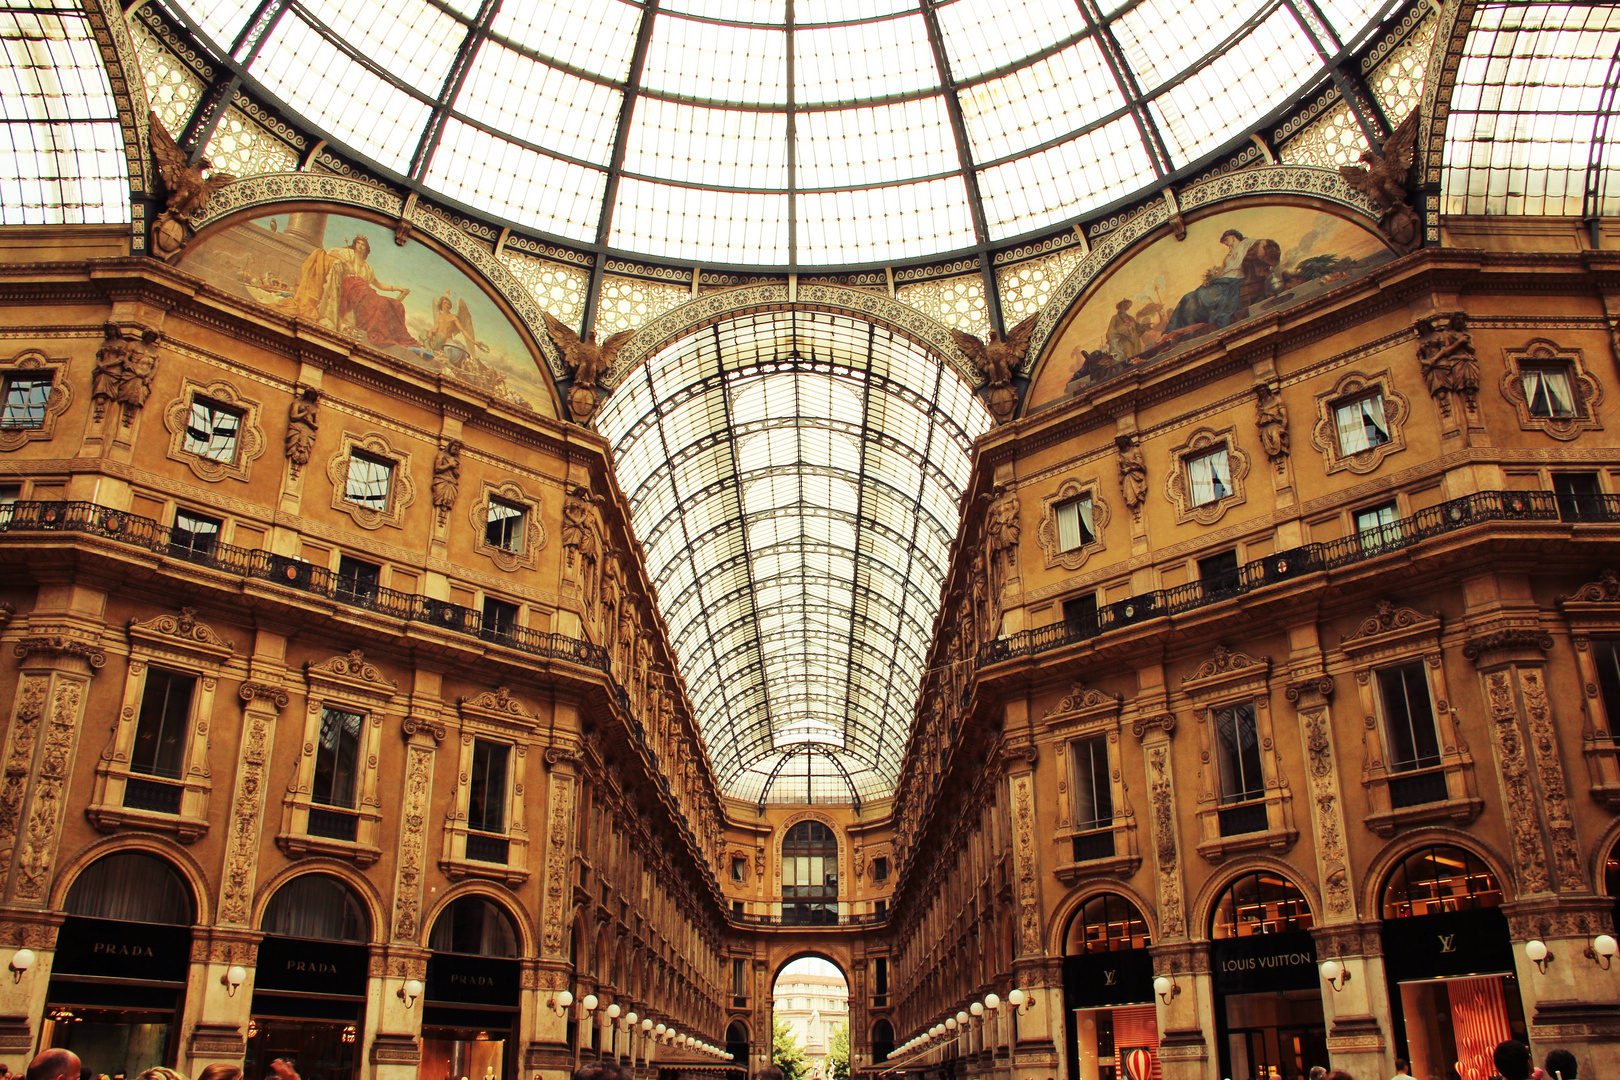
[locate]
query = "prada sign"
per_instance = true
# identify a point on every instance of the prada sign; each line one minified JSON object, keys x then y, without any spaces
{"x":1097,"y":980}
{"x":1265,"y":963}
{"x":336,"y":968}
{"x":1455,"y":943}
{"x":472,"y":980}
{"x":122,"y":950}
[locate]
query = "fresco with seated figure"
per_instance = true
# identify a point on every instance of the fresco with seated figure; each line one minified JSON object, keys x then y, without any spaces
{"x":1232,"y":266}
{"x":348,"y":275}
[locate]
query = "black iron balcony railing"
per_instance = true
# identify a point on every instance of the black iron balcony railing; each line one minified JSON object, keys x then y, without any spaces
{"x":797,"y":920}
{"x":94,"y":520}
{"x":1282,"y":566}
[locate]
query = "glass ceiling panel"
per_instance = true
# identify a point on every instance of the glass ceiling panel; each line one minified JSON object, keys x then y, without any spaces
{"x":857,"y":61}
{"x":410,"y":39}
{"x":593,"y":35}
{"x":516,"y":182}
{"x":695,"y":145}
{"x":884,"y":224}
{"x":540,"y":104}
{"x":877,"y":145}
{"x":716,"y":61}
{"x":802,"y":548}
{"x":983,"y":35}
{"x":1162,"y":37}
{"x":1041,"y":102}
{"x":220,"y":20}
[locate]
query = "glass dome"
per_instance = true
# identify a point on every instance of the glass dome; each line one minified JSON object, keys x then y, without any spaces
{"x":783,"y":132}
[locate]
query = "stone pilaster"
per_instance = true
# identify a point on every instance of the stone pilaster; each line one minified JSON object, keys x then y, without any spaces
{"x":1357,"y":1038}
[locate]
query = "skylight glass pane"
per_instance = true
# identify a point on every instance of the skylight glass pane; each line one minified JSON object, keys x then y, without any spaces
{"x":314,"y":77}
{"x":1224,"y":99}
{"x":982,"y":35}
{"x":700,"y":225}
{"x":886,"y":223}
{"x":410,"y":39}
{"x":503,"y":178}
{"x":592,"y":35}
{"x":809,"y":12}
{"x":1349,"y":17}
{"x":696,"y":145}
{"x":539,"y":104}
{"x":1066,"y":180}
{"x":876,"y":145}
{"x":1040,"y":102}
{"x":220,"y":20}
{"x":717,"y":62}
{"x":864,"y":60}
{"x":1162,"y":37}
{"x":755,"y":11}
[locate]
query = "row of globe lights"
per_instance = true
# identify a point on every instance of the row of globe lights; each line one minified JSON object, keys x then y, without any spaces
{"x":952,"y":1024}
{"x":628,"y":1021}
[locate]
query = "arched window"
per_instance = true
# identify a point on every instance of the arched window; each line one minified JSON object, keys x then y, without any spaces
{"x":810,"y":875}
{"x":132,"y":887}
{"x":475,"y":926}
{"x":1436,"y":879}
{"x":1260,"y":903}
{"x":317,"y":906}
{"x":1107,"y":923}
{"x":737,"y":1043}
{"x":1611,"y":880}
{"x":882,"y":1041}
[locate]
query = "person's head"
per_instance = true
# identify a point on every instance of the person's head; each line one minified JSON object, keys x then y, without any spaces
{"x":1317,"y":1072}
{"x":220,"y":1071}
{"x":769,"y":1072}
{"x":1123,"y":305}
{"x":601,"y":1070}
{"x":1560,"y":1065}
{"x":158,"y":1072}
{"x":1231,"y":236}
{"x":1339,"y":1074}
{"x":1402,"y":1065}
{"x":55,"y":1064}
{"x":362,"y":245}
{"x":1513,"y":1060}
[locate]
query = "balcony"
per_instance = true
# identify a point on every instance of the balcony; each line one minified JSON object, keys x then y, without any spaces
{"x":334,"y":824}
{"x":154,"y":796}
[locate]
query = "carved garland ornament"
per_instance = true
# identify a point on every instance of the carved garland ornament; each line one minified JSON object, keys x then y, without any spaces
{"x":1167,"y":858}
{"x":242,"y":842}
{"x":39,"y":840}
{"x":413,"y":826}
{"x":1515,"y":774}
{"x":19,"y":760}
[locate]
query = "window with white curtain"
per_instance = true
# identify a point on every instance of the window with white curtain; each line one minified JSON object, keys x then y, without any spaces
{"x":1361,"y":424}
{"x":1209,"y":477}
{"x":1074,"y":524}
{"x":1548,"y":391}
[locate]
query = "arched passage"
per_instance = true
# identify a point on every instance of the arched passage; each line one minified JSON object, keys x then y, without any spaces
{"x":470,"y":1006}
{"x":1108,"y":988}
{"x":810,"y":1014}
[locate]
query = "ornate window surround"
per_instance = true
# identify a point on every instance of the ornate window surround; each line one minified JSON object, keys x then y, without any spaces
{"x":179,"y":643}
{"x":1587,"y":390}
{"x":401,"y":489}
{"x":534,"y":530}
{"x":250,"y":441}
{"x":355,"y":685}
{"x":31,"y":361}
{"x":1230,"y":678}
{"x":1177,"y":487}
{"x":1084,"y":713}
{"x":1325,"y":433}
{"x":1046,"y":534}
{"x":498,"y":717}
{"x":1593,"y":610}
{"x":1390,"y":637}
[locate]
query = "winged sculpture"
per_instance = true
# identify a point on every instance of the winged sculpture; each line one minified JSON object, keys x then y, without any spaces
{"x":587,"y":360}
{"x":186,"y":191}
{"x":999,"y":357}
{"x":1382,"y":177}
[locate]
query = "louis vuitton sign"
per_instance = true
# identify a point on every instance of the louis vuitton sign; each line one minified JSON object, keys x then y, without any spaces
{"x":1265,"y":962}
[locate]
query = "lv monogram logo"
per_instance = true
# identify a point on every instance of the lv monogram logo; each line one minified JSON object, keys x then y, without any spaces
{"x":1110,"y":978}
{"x":1448,"y":942}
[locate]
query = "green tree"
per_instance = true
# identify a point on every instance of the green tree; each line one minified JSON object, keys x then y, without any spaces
{"x":838,"y":1053}
{"x":786,"y":1053}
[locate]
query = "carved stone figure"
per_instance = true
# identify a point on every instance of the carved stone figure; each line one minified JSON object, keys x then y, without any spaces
{"x":998,"y":360}
{"x":447,"y":477}
{"x":125,"y":364}
{"x":1132,"y":474}
{"x":611,"y":592}
{"x":185,"y":190}
{"x":303,"y":420}
{"x":1271,"y":421}
{"x":580,"y":545}
{"x":1447,"y":359}
{"x":588,"y":362}
{"x":1384,"y":183}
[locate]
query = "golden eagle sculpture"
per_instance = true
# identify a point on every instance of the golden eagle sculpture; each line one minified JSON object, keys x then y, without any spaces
{"x":997,"y":360}
{"x":588,"y":361}
{"x":186,"y":192}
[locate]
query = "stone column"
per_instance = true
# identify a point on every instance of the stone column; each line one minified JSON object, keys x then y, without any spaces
{"x":392,"y":1036}
{"x":547,"y":1055}
{"x":1034,"y":1051}
{"x":1357,"y":1012}
{"x":1183,"y":1046}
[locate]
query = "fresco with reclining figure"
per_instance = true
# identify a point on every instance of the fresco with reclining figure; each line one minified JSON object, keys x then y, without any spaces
{"x":1232,"y":266}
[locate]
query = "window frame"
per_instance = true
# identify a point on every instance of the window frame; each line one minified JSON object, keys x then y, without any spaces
{"x":1048,"y":533}
{"x":494,"y":718}
{"x":1388,"y":533}
{"x":1592,"y":614}
{"x":1358,"y":402}
{"x":1202,"y":445}
{"x":1227,"y":681}
{"x":1084,"y":716}
{"x":1353,"y":387}
{"x":1585,"y":389}
{"x":214,"y":410}
{"x":34,"y":363}
{"x":375,"y":448}
{"x":192,"y":552}
{"x":509,"y":493}
{"x":250,"y":442}
{"x":36,"y":377}
{"x":364,"y":500}
{"x":1387,"y":724}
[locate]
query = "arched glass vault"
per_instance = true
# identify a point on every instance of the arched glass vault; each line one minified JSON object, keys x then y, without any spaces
{"x":794,"y":478}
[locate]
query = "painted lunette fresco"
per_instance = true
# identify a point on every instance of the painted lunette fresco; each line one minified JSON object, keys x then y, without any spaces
{"x":1232,"y":266}
{"x":347,"y":274}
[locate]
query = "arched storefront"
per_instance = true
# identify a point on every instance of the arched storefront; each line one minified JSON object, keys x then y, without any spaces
{"x":121,"y":962}
{"x":1453,"y":993}
{"x":309,"y":992}
{"x":882,"y":1041}
{"x":737,"y":1047}
{"x":810,"y":875}
{"x":1268,"y":994}
{"x":1611,"y":881}
{"x":1108,"y":989}
{"x":472,"y":998}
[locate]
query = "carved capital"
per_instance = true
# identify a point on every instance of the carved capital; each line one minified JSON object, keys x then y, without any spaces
{"x":1021,"y":752}
{"x":1508,"y":638}
{"x":260,"y":691}
{"x":558,"y":754}
{"x":411,"y":725}
{"x":1142,"y":725}
{"x":1316,"y":684}
{"x":62,"y":645}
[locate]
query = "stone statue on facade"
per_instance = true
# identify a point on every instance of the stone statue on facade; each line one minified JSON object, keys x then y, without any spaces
{"x":446,"y":477}
{"x":588,"y":361}
{"x":303,"y":420}
{"x":997,"y":361}
{"x":125,"y":364}
{"x":580,"y":544}
{"x":1132,"y":474}
{"x":1447,"y":359}
{"x":1271,"y":422}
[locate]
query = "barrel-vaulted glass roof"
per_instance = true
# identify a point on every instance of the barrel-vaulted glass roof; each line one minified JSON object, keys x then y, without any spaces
{"x":784,"y":132}
{"x":793,"y":478}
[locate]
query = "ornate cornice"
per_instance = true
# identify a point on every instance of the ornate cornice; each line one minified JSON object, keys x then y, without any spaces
{"x":1508,"y":638}
{"x":425,"y":725}
{"x":1317,"y":684}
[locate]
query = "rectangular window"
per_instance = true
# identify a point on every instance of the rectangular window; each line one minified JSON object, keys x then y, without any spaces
{"x":358,"y":579}
{"x":1219,"y":573}
{"x":1376,"y":526}
{"x":9,"y":494}
{"x":1093,"y":790}
{"x":1606,"y":655}
{"x":1361,"y":424}
{"x":1548,"y":391}
{"x":160,"y":732}
{"x":1237,"y":745}
{"x":1579,"y":496}
{"x":881,"y":909}
{"x":337,"y":758}
{"x":486,"y":801}
{"x":880,"y":975}
{"x":1209,"y":477}
{"x":1414,"y":743}
{"x":739,"y":978}
{"x":880,"y":869}
{"x":500,"y":618}
{"x":193,"y":535}
{"x":739,"y":868}
{"x":26,"y":396}
{"x":211,"y":430}
{"x":1074,"y":524}
{"x":504,"y":529}
{"x":368,"y":481}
